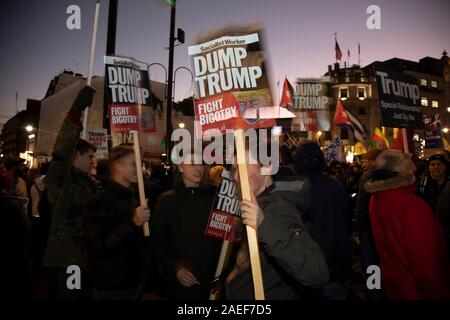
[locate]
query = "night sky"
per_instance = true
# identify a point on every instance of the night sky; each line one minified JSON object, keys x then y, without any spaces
{"x":299,"y":36}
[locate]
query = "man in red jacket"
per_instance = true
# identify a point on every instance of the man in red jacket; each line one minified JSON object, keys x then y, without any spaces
{"x":408,"y":236}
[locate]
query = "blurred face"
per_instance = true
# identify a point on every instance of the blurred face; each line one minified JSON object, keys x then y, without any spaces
{"x":126,"y":167}
{"x":84,"y":162}
{"x":256,"y":180}
{"x":437,"y":169}
{"x":192,"y":174}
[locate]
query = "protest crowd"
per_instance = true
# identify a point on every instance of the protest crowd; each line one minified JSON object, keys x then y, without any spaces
{"x":321,"y":226}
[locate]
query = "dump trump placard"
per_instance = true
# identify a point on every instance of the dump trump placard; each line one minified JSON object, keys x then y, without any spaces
{"x":129,"y":96}
{"x":230,"y":80}
{"x":225,"y":219}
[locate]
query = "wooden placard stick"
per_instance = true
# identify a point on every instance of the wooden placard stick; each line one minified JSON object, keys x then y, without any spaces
{"x":251,"y":233}
{"x":137,"y":155}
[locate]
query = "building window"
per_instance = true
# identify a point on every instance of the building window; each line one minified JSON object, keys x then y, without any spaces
{"x":347,"y":79}
{"x":424,"y":82}
{"x":435,"y":104}
{"x":363,"y":79}
{"x":343,"y":93}
{"x":434,"y":84}
{"x":361,"y":111}
{"x":361,"y":93}
{"x":344,"y":133}
{"x":424,"y":102}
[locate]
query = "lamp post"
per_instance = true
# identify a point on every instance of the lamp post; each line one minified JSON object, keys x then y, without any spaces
{"x":172,"y":38}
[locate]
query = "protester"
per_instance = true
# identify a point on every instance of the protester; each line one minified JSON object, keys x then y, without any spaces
{"x":369,"y":255}
{"x":16,"y":167}
{"x":187,"y":257}
{"x":116,"y":249}
{"x":408,"y":236}
{"x":329,"y":212}
{"x":15,"y":238}
{"x":215,"y":174}
{"x":69,"y":188}
{"x":289,"y":256}
{"x":443,"y":212}
{"x":430,"y":187}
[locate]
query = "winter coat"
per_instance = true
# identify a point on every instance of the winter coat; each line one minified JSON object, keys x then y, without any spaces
{"x":289,"y":256}
{"x":116,"y":250}
{"x":443,"y":212}
{"x":409,"y":240}
{"x":363,"y":224}
{"x":68,"y":191}
{"x":15,"y":240}
{"x":177,"y":230}
{"x":329,"y":212}
{"x":430,"y":190}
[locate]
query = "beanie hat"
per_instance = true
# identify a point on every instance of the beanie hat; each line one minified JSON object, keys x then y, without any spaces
{"x":308,"y":158}
{"x":438,"y":157}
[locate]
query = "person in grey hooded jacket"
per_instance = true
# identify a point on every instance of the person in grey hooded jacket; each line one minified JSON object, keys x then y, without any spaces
{"x":289,"y":256}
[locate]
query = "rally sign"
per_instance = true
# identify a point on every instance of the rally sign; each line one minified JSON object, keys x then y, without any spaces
{"x":99,"y":138}
{"x":399,"y":96}
{"x":129,"y":95}
{"x":311,"y":104}
{"x":231,"y":83}
{"x":225,"y":221}
{"x":433,"y":131}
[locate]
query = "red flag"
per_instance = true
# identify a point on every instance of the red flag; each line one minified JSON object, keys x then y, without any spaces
{"x":346,"y":118}
{"x":287,"y":95}
{"x":341,"y":116}
{"x":338,"y":51}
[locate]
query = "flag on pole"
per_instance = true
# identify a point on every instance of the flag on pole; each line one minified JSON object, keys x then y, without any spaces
{"x":379,"y":139}
{"x":359,"y":149}
{"x":338,"y":51}
{"x":287,"y":94}
{"x":334,"y":152}
{"x":344,"y":117}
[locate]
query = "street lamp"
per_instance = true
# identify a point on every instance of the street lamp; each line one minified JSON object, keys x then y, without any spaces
{"x":29,"y":128}
{"x":445,"y":130}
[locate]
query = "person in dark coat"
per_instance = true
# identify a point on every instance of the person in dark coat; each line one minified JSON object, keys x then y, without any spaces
{"x":116,"y":249}
{"x":328,"y":212}
{"x":290,"y":258}
{"x":187,"y":257}
{"x":69,"y":188}
{"x":431,"y":186}
{"x":443,"y":212}
{"x":369,"y":255}
{"x":15,"y":268}
{"x":408,"y":236}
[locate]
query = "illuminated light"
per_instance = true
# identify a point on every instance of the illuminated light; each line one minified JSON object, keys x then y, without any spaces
{"x":31,"y":136}
{"x":163,"y":154}
{"x":445,"y":130}
{"x":181,"y":125}
{"x":29,"y":128}
{"x":277,"y":130}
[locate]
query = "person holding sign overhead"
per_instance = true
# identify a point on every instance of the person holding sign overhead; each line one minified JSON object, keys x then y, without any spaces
{"x":187,"y":257}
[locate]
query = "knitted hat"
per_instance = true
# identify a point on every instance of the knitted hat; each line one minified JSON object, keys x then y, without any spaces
{"x":308,"y":158}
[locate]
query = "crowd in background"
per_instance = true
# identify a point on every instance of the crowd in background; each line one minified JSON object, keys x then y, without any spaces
{"x":320,"y":226}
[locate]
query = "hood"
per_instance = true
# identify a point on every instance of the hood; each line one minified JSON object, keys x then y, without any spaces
{"x":294,"y":189}
{"x":400,"y":180}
